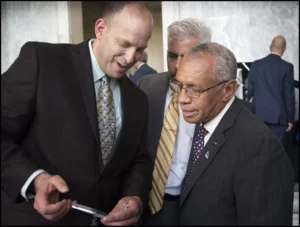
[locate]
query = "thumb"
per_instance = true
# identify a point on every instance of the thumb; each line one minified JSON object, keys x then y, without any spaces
{"x":59,"y":183}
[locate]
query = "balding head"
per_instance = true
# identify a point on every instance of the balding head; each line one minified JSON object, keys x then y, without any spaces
{"x":278,"y":45}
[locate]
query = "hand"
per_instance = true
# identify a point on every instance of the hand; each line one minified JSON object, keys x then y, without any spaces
{"x":289,"y":128}
{"x":123,"y":217}
{"x":46,"y":200}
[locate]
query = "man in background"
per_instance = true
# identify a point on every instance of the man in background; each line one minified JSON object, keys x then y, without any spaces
{"x":142,"y":69}
{"x":238,"y":171}
{"x":271,"y":85}
{"x":166,"y":120}
{"x":73,"y":126}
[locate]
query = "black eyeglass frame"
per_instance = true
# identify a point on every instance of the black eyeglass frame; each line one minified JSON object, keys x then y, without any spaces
{"x":196,"y":91}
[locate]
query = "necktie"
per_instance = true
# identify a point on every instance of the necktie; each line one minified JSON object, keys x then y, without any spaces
{"x":106,"y":117}
{"x":197,"y":148}
{"x":164,"y":155}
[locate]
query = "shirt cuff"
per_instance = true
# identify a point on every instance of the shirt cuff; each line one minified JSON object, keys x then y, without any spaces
{"x":25,"y":194}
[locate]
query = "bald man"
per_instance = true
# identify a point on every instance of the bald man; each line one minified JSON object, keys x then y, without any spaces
{"x":271,"y":84}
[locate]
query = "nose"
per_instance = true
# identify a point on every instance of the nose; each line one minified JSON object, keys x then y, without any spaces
{"x":182,"y":96}
{"x":130,"y":56}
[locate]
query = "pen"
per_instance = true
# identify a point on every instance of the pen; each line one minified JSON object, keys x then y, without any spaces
{"x":124,"y":207}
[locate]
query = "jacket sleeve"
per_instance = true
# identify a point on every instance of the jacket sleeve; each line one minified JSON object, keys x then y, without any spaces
{"x":18,"y":97}
{"x":289,"y":94}
{"x":138,"y":178}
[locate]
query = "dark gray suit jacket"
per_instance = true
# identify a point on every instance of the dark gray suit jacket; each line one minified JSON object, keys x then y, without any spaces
{"x":247,"y":179}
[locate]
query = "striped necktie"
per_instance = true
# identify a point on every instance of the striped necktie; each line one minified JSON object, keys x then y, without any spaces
{"x":164,"y":155}
{"x":106,"y":118}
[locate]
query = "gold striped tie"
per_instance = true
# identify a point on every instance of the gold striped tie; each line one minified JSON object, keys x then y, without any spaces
{"x":164,"y":155}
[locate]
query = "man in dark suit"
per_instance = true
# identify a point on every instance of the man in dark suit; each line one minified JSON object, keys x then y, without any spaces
{"x":142,"y":69}
{"x":239,"y":172}
{"x":271,"y":84}
{"x":182,"y":35}
{"x":52,"y":146}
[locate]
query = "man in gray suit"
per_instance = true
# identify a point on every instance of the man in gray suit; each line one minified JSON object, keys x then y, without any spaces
{"x":182,"y":35}
{"x":239,"y":172}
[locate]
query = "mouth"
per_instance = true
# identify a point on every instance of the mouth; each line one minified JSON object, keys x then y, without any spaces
{"x":122,"y":67}
{"x":186,"y":113}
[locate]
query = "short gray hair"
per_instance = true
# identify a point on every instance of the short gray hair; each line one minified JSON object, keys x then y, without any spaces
{"x":189,"y":27}
{"x":225,"y":64}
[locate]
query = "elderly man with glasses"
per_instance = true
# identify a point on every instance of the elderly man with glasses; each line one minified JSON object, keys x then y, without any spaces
{"x":238,"y":172}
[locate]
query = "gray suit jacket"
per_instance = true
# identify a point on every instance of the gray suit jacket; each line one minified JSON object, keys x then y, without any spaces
{"x":247,"y":179}
{"x":156,"y":87}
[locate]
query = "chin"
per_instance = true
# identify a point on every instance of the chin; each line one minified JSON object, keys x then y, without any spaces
{"x":117,"y":75}
{"x":190,"y":120}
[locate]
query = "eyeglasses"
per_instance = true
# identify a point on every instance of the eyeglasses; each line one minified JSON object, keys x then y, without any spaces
{"x":190,"y":91}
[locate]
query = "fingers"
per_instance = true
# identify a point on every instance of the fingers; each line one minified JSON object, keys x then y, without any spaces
{"x":58,"y":210}
{"x":59,"y":184}
{"x":127,"y":222}
{"x":46,"y":200}
{"x":126,"y":212}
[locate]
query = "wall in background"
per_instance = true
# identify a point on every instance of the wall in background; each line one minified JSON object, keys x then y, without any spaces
{"x":246,"y":28}
{"x":31,"y":21}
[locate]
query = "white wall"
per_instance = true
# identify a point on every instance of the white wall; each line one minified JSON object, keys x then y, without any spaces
{"x":246,"y":28}
{"x":31,"y":21}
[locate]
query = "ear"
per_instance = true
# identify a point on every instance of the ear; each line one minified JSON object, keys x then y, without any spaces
{"x":100,"y":28}
{"x":229,"y":90}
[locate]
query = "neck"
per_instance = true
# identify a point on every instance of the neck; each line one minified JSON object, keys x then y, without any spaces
{"x":273,"y":52}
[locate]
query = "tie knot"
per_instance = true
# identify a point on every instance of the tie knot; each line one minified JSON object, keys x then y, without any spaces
{"x":203,"y":130}
{"x":104,"y":80}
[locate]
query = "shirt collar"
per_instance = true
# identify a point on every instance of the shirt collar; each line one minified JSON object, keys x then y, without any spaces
{"x":213,"y":123}
{"x":141,"y":65}
{"x":97,"y":71}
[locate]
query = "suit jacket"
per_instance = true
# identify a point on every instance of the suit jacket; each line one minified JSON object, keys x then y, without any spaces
{"x":271,"y":84}
{"x":144,"y":70}
{"x":247,"y":179}
{"x":49,"y":121}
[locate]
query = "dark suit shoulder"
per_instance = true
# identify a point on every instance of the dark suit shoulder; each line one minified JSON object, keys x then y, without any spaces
{"x":45,"y":45}
{"x":134,"y":90}
{"x":153,"y":81}
{"x":253,"y":128}
{"x":155,"y":78}
{"x":288,"y":63}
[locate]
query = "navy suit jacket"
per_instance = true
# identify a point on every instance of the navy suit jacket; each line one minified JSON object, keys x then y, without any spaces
{"x":271,"y":84}
{"x":142,"y":71}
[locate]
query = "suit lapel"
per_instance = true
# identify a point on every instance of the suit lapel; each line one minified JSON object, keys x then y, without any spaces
{"x":83,"y":66}
{"x":211,"y":148}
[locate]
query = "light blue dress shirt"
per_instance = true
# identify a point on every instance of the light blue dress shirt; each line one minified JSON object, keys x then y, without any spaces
{"x":115,"y":87}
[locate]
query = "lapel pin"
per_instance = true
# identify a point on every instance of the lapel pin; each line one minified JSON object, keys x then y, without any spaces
{"x":207,"y":155}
